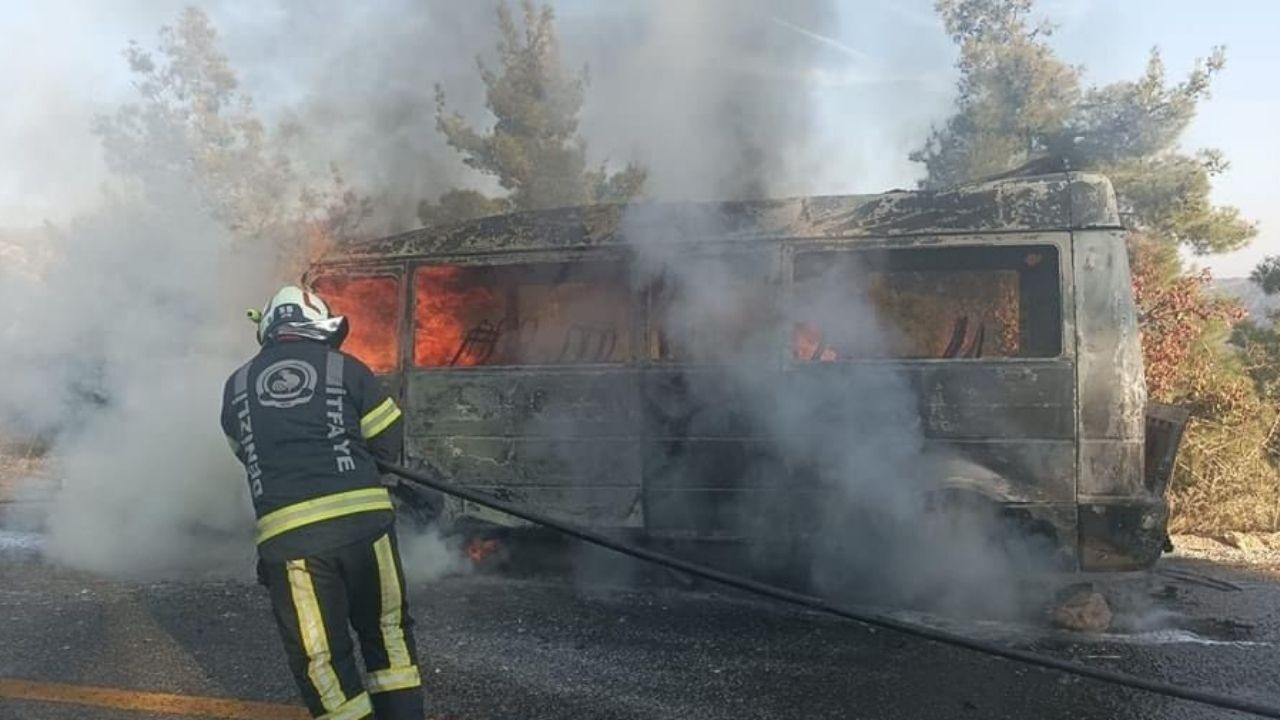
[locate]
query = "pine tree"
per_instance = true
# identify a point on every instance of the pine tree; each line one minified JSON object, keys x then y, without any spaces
{"x":1267,"y":275}
{"x":533,"y":149}
{"x":1019,"y":102}
{"x":193,"y":127}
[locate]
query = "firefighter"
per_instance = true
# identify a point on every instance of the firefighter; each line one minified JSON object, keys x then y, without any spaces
{"x":309,"y":422}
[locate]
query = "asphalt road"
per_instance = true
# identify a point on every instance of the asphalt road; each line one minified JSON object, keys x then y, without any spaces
{"x":501,"y":647}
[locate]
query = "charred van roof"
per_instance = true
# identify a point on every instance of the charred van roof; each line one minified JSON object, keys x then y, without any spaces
{"x":1062,"y":201}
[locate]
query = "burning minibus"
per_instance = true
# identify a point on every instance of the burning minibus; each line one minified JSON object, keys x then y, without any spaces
{"x":712,"y":373}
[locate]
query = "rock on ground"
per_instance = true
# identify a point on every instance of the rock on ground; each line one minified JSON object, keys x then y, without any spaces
{"x":1081,"y":608}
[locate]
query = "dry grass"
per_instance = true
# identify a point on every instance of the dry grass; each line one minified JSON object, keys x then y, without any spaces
{"x":1259,"y":550}
{"x":1226,"y":479}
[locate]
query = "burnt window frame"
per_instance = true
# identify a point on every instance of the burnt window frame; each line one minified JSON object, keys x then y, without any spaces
{"x":357,"y":269}
{"x":767,"y":250}
{"x":1061,"y":243}
{"x":519,"y":258}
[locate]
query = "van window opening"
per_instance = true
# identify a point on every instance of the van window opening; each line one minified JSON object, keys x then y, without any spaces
{"x":536,"y":314}
{"x":371,"y":305}
{"x":938,"y":303}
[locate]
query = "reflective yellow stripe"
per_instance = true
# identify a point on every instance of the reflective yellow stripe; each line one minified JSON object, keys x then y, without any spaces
{"x":385,"y":681}
{"x":314,"y":639}
{"x":379,"y":419}
{"x":357,"y":708}
{"x":390,"y":619}
{"x":328,"y":507}
{"x":383,"y":407}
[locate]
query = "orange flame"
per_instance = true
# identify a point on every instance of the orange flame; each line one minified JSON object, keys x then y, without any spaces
{"x":479,"y":550}
{"x":443,"y":312}
{"x":372,"y":307}
{"x":806,"y":341}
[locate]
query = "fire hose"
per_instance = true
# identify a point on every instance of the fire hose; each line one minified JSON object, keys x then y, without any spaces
{"x":924,"y":632}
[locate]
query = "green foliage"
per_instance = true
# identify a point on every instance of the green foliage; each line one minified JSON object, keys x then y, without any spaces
{"x":1017,"y":101}
{"x":533,"y":149}
{"x":1130,"y":130}
{"x":1267,"y":275}
{"x":1014,"y":93}
{"x":1168,"y":196}
{"x":192,"y":127}
{"x":1138,"y":118}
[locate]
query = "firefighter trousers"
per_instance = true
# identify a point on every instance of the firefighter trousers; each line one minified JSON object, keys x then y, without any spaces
{"x":315,"y":599}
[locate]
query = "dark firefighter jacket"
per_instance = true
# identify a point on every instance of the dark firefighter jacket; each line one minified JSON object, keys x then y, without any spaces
{"x":308,"y":422}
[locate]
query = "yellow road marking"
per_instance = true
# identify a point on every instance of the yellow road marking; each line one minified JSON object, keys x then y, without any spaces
{"x":136,"y":701}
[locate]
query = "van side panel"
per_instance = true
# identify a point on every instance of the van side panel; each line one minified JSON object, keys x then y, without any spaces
{"x":711,"y":468}
{"x":1113,"y":396}
{"x":1122,"y":523}
{"x":561,"y":442}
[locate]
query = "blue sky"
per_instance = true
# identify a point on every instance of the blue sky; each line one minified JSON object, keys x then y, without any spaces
{"x":885,"y":75}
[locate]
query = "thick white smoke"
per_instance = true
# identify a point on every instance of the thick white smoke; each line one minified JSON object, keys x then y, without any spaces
{"x":427,"y":556}
{"x":117,"y":348}
{"x":850,"y":445}
{"x":360,"y":78}
{"x":844,"y":458}
{"x":715,"y":98}
{"x":353,"y":84}
{"x":121,"y":325}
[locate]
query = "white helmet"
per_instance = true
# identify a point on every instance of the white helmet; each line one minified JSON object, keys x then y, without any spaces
{"x":300,"y":313}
